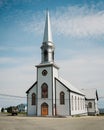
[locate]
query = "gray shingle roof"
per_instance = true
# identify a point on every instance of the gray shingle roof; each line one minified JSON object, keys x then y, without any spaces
{"x":90,"y":93}
{"x":69,"y":86}
{"x":31,"y":87}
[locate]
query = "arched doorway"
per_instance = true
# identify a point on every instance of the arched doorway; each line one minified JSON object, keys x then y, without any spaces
{"x":44,"y":109}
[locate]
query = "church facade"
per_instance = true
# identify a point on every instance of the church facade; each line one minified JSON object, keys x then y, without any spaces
{"x":51,"y":95}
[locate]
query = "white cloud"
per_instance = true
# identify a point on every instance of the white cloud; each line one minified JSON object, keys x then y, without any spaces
{"x":35,"y":24}
{"x":73,"y":21}
{"x":79,"y":21}
{"x":17,"y":74}
{"x":16,"y":80}
{"x":19,"y":48}
{"x":85,"y":70}
{"x":82,"y":26}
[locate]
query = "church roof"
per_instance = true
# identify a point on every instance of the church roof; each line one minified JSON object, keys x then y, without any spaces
{"x":47,"y":31}
{"x":31,"y":87}
{"x":69,"y":86}
{"x":90,"y":93}
{"x":47,"y":64}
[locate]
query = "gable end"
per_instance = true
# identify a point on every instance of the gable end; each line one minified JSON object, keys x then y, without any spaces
{"x":31,"y":87}
{"x":68,"y":87}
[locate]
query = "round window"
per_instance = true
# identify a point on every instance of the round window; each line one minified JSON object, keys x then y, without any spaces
{"x":44,"y":72}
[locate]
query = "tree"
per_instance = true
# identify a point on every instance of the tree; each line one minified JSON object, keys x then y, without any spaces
{"x":2,"y":110}
{"x":9,"y":109}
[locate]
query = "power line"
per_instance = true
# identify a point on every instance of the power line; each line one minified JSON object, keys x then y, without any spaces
{"x":15,"y":96}
{"x":101,"y":97}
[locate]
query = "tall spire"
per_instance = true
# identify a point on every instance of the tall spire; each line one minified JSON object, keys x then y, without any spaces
{"x":47,"y":31}
{"x":47,"y":48}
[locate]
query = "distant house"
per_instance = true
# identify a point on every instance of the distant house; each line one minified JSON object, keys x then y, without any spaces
{"x":22,"y":107}
{"x":91,"y":99}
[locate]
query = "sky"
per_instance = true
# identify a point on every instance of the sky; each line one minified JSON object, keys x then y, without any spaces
{"x":78,"y":34}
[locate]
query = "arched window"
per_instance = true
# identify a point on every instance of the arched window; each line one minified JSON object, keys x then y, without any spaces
{"x":78,"y":103}
{"x":62,"y":98}
{"x":53,"y":55}
{"x":72,"y":104}
{"x":75,"y":103}
{"x":44,"y":90}
{"x":83,"y":104}
{"x":90,"y":105}
{"x":33,"y":99}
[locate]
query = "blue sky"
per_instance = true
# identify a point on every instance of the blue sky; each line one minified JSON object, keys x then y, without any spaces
{"x":78,"y":35}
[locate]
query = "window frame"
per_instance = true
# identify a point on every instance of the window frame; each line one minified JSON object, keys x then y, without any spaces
{"x":45,"y":55}
{"x":72,"y":103}
{"x":62,"y":98}
{"x":44,"y":91}
{"x":33,"y":99}
{"x":75,"y":103}
{"x":90,"y":105}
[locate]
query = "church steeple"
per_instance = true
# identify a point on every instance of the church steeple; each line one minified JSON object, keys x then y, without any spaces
{"x":47,"y":48}
{"x":47,"y":31}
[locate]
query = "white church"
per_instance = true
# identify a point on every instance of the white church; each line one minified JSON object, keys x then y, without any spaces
{"x":51,"y":95}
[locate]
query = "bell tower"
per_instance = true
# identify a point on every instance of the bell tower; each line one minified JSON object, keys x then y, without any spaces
{"x":47,"y":71}
{"x":47,"y":48}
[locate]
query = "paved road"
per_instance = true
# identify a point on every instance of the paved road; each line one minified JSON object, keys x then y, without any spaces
{"x":41,"y":123}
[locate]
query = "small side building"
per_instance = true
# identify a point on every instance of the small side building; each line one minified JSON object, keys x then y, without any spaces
{"x":91,"y":101}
